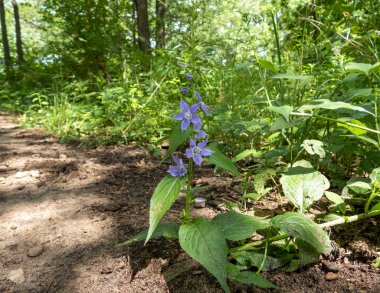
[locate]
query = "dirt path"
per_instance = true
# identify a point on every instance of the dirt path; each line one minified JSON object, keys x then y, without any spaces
{"x":62,"y":210}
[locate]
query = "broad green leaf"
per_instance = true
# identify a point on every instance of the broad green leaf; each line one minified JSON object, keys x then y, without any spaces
{"x":302,"y":185}
{"x":267,"y":65}
{"x":376,"y":207}
{"x":261,"y":179}
{"x":236,"y":226}
{"x":205,"y":243}
{"x":195,"y":190}
{"x":167,"y":230}
{"x":301,"y":227}
{"x":354,"y":130}
{"x":359,"y":185}
{"x":247,"y":153}
{"x":307,"y":253}
{"x":221,"y":161}
{"x":246,"y":277}
{"x":284,"y":111}
{"x":305,"y":78}
{"x":177,"y":137}
{"x":361,"y":67}
{"x":333,"y":197}
{"x":314,"y":147}
{"x":249,"y":259}
{"x":162,"y":199}
{"x":375,"y":177}
{"x":280,"y":123}
{"x":330,"y":105}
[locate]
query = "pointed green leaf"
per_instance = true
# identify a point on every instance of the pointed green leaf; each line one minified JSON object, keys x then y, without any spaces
{"x":267,"y":65}
{"x":303,"y":185}
{"x":247,"y":153}
{"x":236,"y":226}
{"x":361,"y":67}
{"x":354,"y":130}
{"x":301,"y":227}
{"x":246,"y":277}
{"x":221,"y":161}
{"x":205,"y":243}
{"x":375,"y":177}
{"x":162,"y":199}
{"x":284,"y":111}
{"x":167,"y":230}
{"x":177,"y":137}
{"x":330,"y":105}
{"x":305,"y":78}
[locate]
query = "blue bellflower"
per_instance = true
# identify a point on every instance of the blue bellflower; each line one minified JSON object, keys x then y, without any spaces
{"x":198,"y":151}
{"x":189,"y":76}
{"x":187,"y":115}
{"x":203,"y":105}
{"x":179,"y":170}
{"x":185,"y":90}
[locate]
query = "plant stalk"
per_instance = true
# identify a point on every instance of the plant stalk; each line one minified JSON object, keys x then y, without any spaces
{"x":186,"y":215}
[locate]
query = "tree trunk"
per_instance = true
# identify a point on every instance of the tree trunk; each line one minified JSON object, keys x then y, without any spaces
{"x":143,"y":25}
{"x":20,"y":54}
{"x":160,"y":24}
{"x":7,"y":54}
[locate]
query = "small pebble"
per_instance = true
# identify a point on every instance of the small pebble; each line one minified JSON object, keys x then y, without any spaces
{"x":13,"y":227}
{"x":329,"y":266}
{"x":17,"y":276}
{"x":331,"y":276}
{"x":2,"y":238}
{"x":35,"y":251}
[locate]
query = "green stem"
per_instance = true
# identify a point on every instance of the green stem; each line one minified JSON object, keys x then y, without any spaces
{"x":337,"y":121}
{"x":372,"y":196}
{"x":339,"y":221}
{"x":186,"y":215}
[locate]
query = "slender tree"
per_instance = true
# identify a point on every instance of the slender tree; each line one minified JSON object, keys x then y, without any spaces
{"x":160,"y":24}
{"x":143,"y":25}
{"x":7,"y":54}
{"x":20,"y":54}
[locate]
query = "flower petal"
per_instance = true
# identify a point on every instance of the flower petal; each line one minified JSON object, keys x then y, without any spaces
{"x":204,"y":107}
{"x":189,"y":153}
{"x":184,"y":106}
{"x":197,"y":126}
{"x":206,"y":152}
{"x":203,"y":144}
{"x":200,"y":134}
{"x":177,"y":160}
{"x":199,"y":97}
{"x":189,"y":76}
{"x":173,"y":171}
{"x":197,"y":160}
{"x":185,"y":124}
{"x":185,"y":90}
{"x":179,"y":116}
{"x":182,"y":172}
{"x":195,"y":119}
{"x":194,"y":108}
{"x":192,"y":143}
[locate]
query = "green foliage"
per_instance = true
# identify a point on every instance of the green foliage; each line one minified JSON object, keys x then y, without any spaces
{"x":221,"y":161}
{"x":303,"y":228}
{"x":236,"y":226}
{"x":205,"y":243}
{"x":302,"y":185}
{"x":162,"y":199}
{"x":167,"y":230}
{"x":246,"y":277}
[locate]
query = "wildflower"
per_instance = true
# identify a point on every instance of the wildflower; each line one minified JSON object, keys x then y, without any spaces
{"x":189,"y":76}
{"x":197,"y":151}
{"x":179,"y":170}
{"x":185,"y":90}
{"x":183,"y":64}
{"x":203,"y":105}
{"x":187,"y":115}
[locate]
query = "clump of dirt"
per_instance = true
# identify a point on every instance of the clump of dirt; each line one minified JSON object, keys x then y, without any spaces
{"x":63,"y":209}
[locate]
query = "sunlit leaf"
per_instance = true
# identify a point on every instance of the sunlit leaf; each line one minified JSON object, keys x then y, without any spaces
{"x":205,"y":243}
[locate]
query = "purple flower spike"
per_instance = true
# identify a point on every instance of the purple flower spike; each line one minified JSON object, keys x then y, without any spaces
{"x":185,"y":90}
{"x":198,"y":151}
{"x":203,"y":105}
{"x":187,"y":115}
{"x":179,"y":170}
{"x":189,"y":76}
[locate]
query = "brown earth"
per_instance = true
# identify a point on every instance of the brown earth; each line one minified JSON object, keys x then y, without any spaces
{"x":63,"y":208}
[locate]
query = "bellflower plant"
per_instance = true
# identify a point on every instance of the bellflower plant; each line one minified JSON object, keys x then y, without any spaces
{"x":188,"y":115}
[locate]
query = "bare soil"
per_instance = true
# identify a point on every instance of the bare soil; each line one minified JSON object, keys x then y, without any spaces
{"x":64,"y":208}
